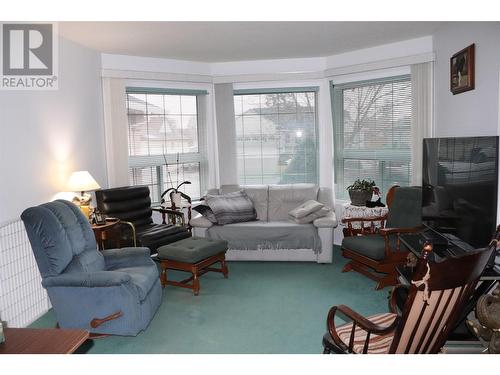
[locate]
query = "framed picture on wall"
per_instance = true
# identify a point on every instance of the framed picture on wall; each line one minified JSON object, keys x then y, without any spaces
{"x":462,"y":70}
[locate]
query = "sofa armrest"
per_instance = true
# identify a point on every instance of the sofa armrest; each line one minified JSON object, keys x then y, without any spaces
{"x":328,"y":221}
{"x":87,"y":280}
{"x":127,"y":256}
{"x":200,"y":221}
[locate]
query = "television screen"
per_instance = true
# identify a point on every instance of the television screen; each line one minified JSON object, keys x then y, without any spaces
{"x":460,"y":187}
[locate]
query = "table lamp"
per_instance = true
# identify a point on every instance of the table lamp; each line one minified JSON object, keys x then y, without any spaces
{"x":82,"y":181}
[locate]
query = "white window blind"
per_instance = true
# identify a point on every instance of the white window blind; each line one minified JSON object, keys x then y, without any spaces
{"x":164,"y":138}
{"x":276,"y":134}
{"x":372,"y":129}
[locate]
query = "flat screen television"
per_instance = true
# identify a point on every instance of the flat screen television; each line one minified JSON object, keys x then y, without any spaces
{"x":460,"y":187}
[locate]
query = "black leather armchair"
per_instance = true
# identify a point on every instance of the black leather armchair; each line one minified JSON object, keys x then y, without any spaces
{"x":132,"y":205}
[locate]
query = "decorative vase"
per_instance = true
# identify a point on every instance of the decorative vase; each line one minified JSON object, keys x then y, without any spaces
{"x":177,"y":199}
{"x":359,"y":197}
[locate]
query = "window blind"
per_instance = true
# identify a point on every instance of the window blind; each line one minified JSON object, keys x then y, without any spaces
{"x":164,"y":139}
{"x":372,"y":130}
{"x":276,"y":136}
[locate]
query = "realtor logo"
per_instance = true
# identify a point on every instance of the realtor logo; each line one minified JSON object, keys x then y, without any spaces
{"x":28,"y":56}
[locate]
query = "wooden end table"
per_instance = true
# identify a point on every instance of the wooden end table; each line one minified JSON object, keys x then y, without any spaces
{"x":42,"y":341}
{"x":111,"y":229}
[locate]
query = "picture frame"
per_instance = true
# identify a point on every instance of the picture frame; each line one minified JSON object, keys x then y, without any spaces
{"x":462,"y":70}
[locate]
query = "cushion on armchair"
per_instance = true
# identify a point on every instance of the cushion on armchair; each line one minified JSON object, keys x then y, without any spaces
{"x":370,"y":245}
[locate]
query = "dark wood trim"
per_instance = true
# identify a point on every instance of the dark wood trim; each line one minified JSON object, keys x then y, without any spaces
{"x":374,"y":268}
{"x":96,"y":322}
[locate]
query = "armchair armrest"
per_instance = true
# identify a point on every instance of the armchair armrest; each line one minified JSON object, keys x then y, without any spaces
{"x":328,"y":221}
{"x":200,"y":221}
{"x":126,"y":256}
{"x":167,"y":211}
{"x":358,"y":321}
{"x":87,"y":280}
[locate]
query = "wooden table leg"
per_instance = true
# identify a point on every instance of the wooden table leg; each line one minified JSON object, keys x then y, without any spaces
{"x":163,"y":274}
{"x":196,"y":280}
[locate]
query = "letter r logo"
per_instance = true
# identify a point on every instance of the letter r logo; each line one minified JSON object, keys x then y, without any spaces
{"x":27,"y":49}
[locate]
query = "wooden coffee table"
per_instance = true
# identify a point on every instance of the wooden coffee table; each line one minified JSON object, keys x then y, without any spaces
{"x":42,"y":341}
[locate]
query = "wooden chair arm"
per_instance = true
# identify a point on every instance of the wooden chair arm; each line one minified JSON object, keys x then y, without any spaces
{"x":167,"y":211}
{"x":358,"y":320}
{"x":393,"y":303}
{"x":387,"y":231}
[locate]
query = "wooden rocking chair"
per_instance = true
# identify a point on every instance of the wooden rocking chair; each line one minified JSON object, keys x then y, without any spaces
{"x":436,"y":298}
{"x":375,"y":252}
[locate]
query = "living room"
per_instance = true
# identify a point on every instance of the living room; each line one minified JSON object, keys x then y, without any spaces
{"x":277,"y":119}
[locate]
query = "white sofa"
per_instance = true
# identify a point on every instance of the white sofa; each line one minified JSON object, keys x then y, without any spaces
{"x":277,"y":237}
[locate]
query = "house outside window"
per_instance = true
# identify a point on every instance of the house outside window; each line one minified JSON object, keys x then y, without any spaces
{"x":165,"y":140}
{"x":372,"y":130}
{"x":276,"y":135}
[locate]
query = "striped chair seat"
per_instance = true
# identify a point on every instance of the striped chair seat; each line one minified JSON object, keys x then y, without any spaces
{"x":378,"y":344}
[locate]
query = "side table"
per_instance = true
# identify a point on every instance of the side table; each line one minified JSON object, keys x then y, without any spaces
{"x":350,"y":211}
{"x":42,"y":341}
{"x":103,"y":232}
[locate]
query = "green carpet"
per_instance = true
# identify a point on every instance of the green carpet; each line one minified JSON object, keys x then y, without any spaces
{"x":264,"y":307}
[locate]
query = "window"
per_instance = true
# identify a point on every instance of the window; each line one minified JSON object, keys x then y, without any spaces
{"x":276,"y":136}
{"x":164,"y":140}
{"x":372,"y":122}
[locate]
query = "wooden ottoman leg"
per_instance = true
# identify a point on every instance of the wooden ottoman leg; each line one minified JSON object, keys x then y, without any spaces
{"x":163,"y":273}
{"x":225,"y":270}
{"x":196,"y":280}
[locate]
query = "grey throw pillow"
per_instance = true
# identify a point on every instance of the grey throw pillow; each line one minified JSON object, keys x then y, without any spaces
{"x":206,"y":212}
{"x":232,"y":207}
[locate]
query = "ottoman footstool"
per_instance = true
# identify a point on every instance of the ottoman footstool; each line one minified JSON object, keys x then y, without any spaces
{"x":194,"y":255}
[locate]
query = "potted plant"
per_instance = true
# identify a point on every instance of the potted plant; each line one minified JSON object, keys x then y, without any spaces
{"x":361,"y":191}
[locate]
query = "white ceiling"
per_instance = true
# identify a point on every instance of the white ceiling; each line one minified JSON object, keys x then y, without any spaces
{"x":235,"y":41}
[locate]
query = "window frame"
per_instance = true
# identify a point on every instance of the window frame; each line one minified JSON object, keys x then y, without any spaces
{"x":157,"y":162}
{"x":340,"y":154}
{"x":286,"y":90}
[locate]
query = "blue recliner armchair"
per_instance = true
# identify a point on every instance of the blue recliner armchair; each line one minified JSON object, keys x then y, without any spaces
{"x":115,"y":291}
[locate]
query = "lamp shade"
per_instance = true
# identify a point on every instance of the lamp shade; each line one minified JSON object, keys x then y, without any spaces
{"x":82,"y":181}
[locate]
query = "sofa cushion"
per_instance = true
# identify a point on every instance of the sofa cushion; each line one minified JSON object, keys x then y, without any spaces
{"x":258,"y":194}
{"x":284,"y":198}
{"x":232,"y":207}
{"x":263,"y":235}
{"x":192,"y":250}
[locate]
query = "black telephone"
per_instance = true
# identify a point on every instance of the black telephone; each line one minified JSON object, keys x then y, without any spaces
{"x":97,"y":218}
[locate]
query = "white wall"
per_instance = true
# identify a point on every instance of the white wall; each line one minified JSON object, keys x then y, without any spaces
{"x":473,"y":112}
{"x":45,"y":135}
